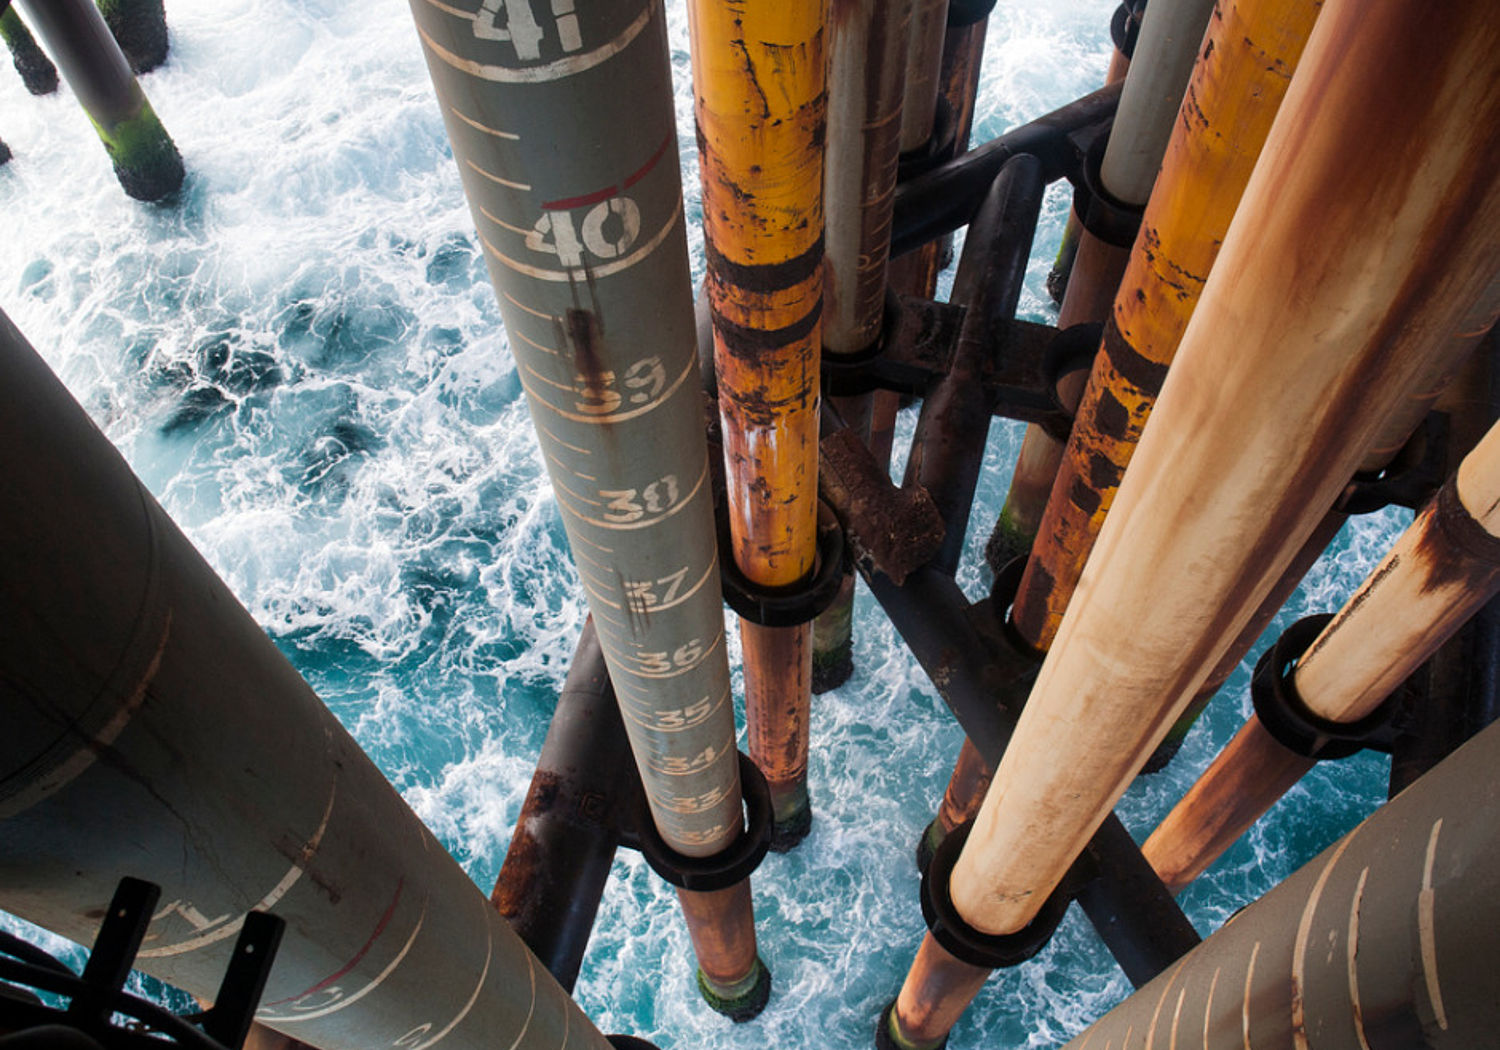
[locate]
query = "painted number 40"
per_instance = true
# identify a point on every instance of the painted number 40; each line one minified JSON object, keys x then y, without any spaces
{"x":555,"y":233}
{"x":522,"y":29}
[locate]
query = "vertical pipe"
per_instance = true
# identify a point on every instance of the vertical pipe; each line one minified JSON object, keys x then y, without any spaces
{"x":759,"y":82}
{"x":866,"y":76}
{"x":1246,"y":452}
{"x":140,"y":28}
{"x":564,"y":136}
{"x":145,"y":160}
{"x":36,"y":69}
{"x":164,"y":735}
{"x":1171,"y":32}
{"x":1387,"y":938}
{"x":924,"y":58}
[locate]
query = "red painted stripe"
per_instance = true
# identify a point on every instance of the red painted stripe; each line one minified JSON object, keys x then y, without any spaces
{"x":605,"y":194}
{"x":655,"y":159}
{"x":358,"y":956}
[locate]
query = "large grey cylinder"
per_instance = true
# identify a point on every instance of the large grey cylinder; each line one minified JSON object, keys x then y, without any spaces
{"x":564,"y":135}
{"x":152,"y":729}
{"x":1387,"y":939}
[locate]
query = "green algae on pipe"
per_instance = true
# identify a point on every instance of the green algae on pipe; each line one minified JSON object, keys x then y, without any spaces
{"x":140,"y":28}
{"x":153,"y":728}
{"x":36,"y":69}
{"x":145,"y":160}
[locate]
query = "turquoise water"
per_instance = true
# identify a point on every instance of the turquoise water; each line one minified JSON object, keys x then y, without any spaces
{"x":305,"y":362}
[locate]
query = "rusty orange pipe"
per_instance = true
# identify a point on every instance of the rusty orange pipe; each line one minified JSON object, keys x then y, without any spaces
{"x":759,"y":85}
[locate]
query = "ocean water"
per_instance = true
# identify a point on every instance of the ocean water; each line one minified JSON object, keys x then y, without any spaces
{"x":304,"y":360}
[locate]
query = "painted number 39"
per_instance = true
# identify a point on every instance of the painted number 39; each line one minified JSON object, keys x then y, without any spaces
{"x":521,"y":28}
{"x":556,"y":234}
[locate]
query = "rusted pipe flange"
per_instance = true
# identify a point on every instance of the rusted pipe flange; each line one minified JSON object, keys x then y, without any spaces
{"x":731,"y":865}
{"x":1288,"y":719}
{"x":849,"y":375}
{"x":794,"y":604}
{"x":961,"y":940}
{"x":1112,"y":221}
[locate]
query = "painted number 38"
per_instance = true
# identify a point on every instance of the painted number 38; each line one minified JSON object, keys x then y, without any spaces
{"x":521,"y":28}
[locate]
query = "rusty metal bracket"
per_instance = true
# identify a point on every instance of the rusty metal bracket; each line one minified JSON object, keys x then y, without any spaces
{"x":887,"y":529}
{"x":963,"y":941}
{"x":918,"y":349}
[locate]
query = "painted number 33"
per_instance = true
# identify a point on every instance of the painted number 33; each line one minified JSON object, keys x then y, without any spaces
{"x":514,"y":21}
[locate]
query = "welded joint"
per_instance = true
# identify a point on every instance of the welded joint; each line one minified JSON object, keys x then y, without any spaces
{"x":964,"y":942}
{"x":731,"y":865}
{"x":1283,"y":713}
{"x":887,"y":529}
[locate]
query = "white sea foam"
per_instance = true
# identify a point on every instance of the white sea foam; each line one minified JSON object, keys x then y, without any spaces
{"x":304,"y":361}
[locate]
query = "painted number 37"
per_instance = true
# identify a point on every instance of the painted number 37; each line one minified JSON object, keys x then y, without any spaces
{"x":521,"y":28}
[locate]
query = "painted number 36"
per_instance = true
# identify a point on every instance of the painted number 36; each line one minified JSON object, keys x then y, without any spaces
{"x":522,"y":29}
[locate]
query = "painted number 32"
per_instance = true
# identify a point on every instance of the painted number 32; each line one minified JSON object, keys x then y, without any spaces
{"x":522,"y":29}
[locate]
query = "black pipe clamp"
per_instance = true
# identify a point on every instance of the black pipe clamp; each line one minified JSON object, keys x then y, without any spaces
{"x":962,"y":941}
{"x":1286,"y":716}
{"x":731,"y":865}
{"x":796,"y":603}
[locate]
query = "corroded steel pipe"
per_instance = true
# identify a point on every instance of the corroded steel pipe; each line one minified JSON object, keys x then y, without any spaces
{"x":163,"y":735}
{"x":866,"y":78}
{"x":924,"y":56}
{"x":759,"y":84}
{"x":145,"y":160}
{"x":1152,"y":92}
{"x":948,"y":448}
{"x":140,"y":28}
{"x":1222,"y":485}
{"x":1442,"y":570}
{"x":583,"y":793}
{"x":1252,"y":48}
{"x":1387,"y":938}
{"x":564,"y":136}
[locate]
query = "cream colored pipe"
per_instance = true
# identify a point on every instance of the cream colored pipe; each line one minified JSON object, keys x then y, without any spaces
{"x":1337,"y":276}
{"x":1429,"y":584}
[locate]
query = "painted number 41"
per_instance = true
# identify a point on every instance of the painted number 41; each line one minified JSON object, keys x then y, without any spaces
{"x":522,"y":29}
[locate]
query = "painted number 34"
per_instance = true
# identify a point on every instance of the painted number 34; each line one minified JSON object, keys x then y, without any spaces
{"x":521,"y":28}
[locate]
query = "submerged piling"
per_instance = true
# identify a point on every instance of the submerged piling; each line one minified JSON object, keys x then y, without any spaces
{"x":164,"y":736}
{"x":36,"y":69}
{"x":1247,"y":451}
{"x":140,"y":28}
{"x":145,"y":160}
{"x":759,"y":85}
{"x":564,"y":137}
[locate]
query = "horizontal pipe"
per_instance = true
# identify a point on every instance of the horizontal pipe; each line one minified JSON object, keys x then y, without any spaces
{"x":945,"y":198}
